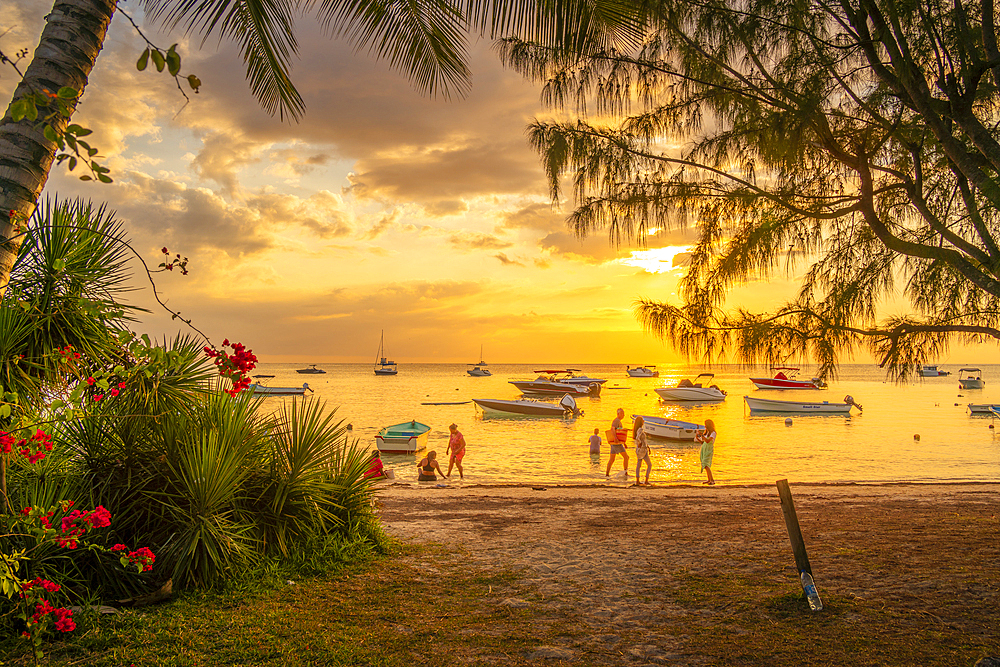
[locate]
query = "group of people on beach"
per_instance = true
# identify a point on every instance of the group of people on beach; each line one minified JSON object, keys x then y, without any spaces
{"x":428,"y":466}
{"x":618,"y":435}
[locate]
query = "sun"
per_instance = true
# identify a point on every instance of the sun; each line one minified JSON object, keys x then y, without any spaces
{"x":659,"y":260}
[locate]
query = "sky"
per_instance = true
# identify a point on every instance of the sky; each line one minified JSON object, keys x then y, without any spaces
{"x":383,"y":210}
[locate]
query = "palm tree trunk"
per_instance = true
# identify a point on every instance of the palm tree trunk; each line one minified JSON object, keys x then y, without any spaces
{"x":73,"y":36}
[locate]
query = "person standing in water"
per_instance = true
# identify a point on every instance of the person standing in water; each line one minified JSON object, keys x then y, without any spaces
{"x":707,"y":440}
{"x":641,"y":449}
{"x":618,"y":446}
{"x":456,"y":445}
{"x":595,"y":442}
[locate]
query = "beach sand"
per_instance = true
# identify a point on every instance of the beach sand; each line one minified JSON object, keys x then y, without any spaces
{"x":624,"y":560}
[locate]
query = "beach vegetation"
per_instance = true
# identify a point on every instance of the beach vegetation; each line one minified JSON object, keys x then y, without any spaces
{"x":850,"y":146}
{"x":118,"y":451}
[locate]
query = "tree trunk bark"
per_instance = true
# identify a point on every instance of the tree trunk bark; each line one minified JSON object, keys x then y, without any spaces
{"x":70,"y":43}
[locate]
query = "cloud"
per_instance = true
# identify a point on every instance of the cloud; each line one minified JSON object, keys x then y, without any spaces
{"x":538,"y":217}
{"x":477,"y":241}
{"x":384,"y":224}
{"x":507,"y":261}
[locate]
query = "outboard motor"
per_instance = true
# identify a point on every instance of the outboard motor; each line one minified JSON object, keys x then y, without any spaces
{"x":850,"y":401}
{"x":595,"y":388}
{"x":569,"y":403}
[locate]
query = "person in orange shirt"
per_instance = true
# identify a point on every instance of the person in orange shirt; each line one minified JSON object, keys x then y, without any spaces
{"x":618,"y":446}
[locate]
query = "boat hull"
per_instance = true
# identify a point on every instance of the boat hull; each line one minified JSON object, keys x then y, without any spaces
{"x":405,"y":438}
{"x":556,"y":388}
{"x":690,"y":394}
{"x":278,"y":391}
{"x":775,"y":383}
{"x":669,"y":429}
{"x":983,"y":408}
{"x":479,"y":372}
{"x":386,"y":371}
{"x":642,"y":373}
{"x":771,"y":405}
{"x":971,"y":384}
{"x":530,"y":408}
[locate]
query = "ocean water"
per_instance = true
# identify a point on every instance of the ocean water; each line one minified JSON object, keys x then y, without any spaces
{"x":877,"y":445}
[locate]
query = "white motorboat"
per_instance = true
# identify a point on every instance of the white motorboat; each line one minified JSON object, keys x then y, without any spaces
{"x":824,"y":407}
{"x":405,"y":438}
{"x":382,"y":365}
{"x":970,"y":378}
{"x":642,"y":372}
{"x":983,"y":408}
{"x":566,"y":406}
{"x":669,"y":429}
{"x":700,"y":389}
{"x":928,"y":371}
{"x":479,"y":370}
{"x":560,"y":382}
{"x":279,"y":391}
{"x":312,"y":370}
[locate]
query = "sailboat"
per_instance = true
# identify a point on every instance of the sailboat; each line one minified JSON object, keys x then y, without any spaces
{"x":479,"y":370}
{"x":382,"y":365}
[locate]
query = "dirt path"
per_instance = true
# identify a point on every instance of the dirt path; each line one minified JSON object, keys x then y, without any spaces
{"x":662,"y":575}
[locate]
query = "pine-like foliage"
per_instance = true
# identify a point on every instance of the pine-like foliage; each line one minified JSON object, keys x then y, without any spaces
{"x":854,"y":143}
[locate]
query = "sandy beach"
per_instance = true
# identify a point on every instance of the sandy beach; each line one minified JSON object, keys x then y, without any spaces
{"x":624,"y":560}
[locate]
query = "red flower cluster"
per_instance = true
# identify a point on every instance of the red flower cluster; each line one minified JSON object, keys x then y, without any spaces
{"x":64,"y":617}
{"x":44,"y":583}
{"x":142,"y":557}
{"x":234,"y":366}
{"x":68,"y":354}
{"x":76,"y":523}
{"x":169,"y":264}
{"x":32,"y":448}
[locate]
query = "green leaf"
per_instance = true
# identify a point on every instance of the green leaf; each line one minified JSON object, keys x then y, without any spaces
{"x":67,"y":93}
{"x":72,"y":163}
{"x":18,"y":110}
{"x":5,"y":411}
{"x":86,"y":178}
{"x":78,"y":130}
{"x":104,"y":178}
{"x":143,"y":61}
{"x":194,"y":82}
{"x":32,"y":111}
{"x":59,"y":264}
{"x":173,"y":63}
{"x":57,"y":404}
{"x":158,"y":60}
{"x":50,"y":134}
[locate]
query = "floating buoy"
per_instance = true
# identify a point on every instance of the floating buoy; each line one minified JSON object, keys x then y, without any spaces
{"x":788,"y":421}
{"x":991,"y":426}
{"x":350,"y":427}
{"x":916,"y":436}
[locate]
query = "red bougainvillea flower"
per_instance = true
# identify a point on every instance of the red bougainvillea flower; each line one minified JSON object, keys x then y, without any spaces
{"x":234,"y":366}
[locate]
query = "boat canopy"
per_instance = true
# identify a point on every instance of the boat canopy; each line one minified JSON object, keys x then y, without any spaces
{"x":968,"y":370}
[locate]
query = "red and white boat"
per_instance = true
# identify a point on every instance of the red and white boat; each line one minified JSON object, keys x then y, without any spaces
{"x":784,"y":378}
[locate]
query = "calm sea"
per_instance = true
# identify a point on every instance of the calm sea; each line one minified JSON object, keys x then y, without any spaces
{"x":878,"y":445}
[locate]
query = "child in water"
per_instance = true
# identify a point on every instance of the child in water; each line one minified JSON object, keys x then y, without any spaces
{"x":595,"y":442}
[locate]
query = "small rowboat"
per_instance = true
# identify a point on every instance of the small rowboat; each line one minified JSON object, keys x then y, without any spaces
{"x":565,"y":407}
{"x":279,"y":391}
{"x":669,"y":429}
{"x":405,"y":438}
{"x":824,"y":407}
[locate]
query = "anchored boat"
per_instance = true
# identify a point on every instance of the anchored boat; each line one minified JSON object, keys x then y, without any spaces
{"x":405,"y":438}
{"x":825,"y":407}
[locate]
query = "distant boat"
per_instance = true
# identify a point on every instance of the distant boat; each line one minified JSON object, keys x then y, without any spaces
{"x":566,"y":406}
{"x":970,"y":378}
{"x":983,"y":408}
{"x":698,"y":390}
{"x":642,"y":372}
{"x":826,"y":407}
{"x":263,"y":376}
{"x":312,"y":370}
{"x":556,"y":382}
{"x":929,"y":371}
{"x":382,"y":365}
{"x":784,"y":378}
{"x":405,"y":438}
{"x":479,"y":370}
{"x":279,"y":391}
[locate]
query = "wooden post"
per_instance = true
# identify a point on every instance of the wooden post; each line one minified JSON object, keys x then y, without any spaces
{"x":792,"y":524}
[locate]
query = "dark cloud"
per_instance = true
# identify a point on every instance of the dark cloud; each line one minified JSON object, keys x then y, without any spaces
{"x":538,"y":217}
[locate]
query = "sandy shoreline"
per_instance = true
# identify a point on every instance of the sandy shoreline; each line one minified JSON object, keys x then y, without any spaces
{"x":597,"y":550}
